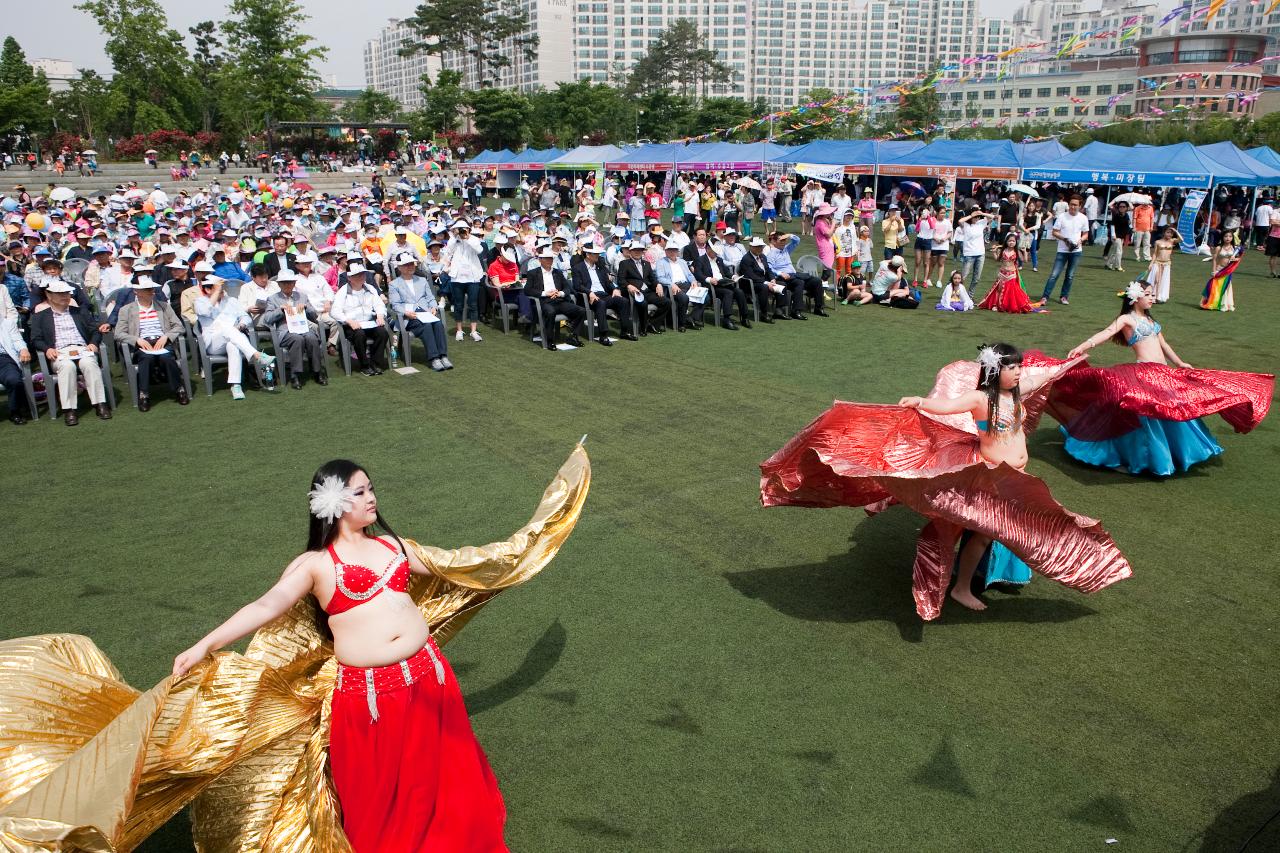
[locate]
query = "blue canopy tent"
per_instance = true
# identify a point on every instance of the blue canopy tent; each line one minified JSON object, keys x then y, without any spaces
{"x":531,"y":161}
{"x":1263,"y":154}
{"x":586,"y":158}
{"x":729,"y":156}
{"x":856,"y":156}
{"x":958,"y":158}
{"x":1245,"y":170}
{"x":654,"y":157}
{"x":490,"y":158}
{"x":1035,"y":153}
{"x":1177,"y":165}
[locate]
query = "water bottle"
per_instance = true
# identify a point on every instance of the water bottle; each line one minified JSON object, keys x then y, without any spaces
{"x":395,"y":348}
{"x":269,"y":375}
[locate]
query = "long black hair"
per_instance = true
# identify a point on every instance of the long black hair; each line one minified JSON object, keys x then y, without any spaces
{"x":989,"y":382}
{"x":322,"y":531}
{"x":1126,"y":306}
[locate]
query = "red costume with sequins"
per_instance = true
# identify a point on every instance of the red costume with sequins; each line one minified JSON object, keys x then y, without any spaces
{"x":409,"y":773}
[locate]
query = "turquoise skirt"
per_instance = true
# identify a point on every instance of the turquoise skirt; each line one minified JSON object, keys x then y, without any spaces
{"x":1157,"y":446}
{"x":997,"y":565}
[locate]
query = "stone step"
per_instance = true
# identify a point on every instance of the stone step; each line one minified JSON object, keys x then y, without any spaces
{"x":105,"y":181}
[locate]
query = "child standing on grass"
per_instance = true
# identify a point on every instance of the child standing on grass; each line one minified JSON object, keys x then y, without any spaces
{"x":846,"y":240}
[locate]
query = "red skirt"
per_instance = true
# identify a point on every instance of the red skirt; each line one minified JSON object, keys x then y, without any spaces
{"x":1007,"y":296}
{"x":414,"y":779}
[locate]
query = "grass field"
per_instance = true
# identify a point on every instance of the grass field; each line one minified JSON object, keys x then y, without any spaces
{"x":695,"y":673}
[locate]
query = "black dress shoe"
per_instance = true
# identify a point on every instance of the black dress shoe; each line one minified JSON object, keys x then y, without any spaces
{"x":628,"y":337}
{"x":71,"y":417}
{"x":368,"y":371}
{"x":144,"y":403}
{"x":681,"y":328}
{"x":798,"y":317}
{"x":730,"y":325}
{"x":183,"y":397}
{"x":17,"y":419}
{"x":103,"y":412}
{"x":765,"y":318}
{"x":644,"y":333}
{"x":573,"y":341}
{"x":377,"y":371}
{"x":605,"y":342}
{"x":744,"y":323}
{"x":322,"y":379}
{"x":821,"y":313}
{"x":295,"y":382}
{"x":781,"y":317}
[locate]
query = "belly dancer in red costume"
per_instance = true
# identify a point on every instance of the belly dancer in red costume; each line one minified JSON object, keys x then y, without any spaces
{"x":408,"y":771}
{"x":957,"y":457}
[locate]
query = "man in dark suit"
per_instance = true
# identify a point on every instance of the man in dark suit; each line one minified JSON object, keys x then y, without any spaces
{"x":547,"y":283}
{"x":636,"y":279}
{"x":754,"y":270}
{"x":591,"y":278}
{"x":713,"y":274}
{"x":279,"y":258}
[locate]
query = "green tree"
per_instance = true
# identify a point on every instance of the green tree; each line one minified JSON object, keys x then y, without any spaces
{"x":208,"y":60}
{"x":501,"y":117}
{"x":371,"y":106}
{"x":86,"y":106}
{"x":922,"y":108}
{"x":486,"y":32}
{"x":273,"y":76}
{"x":722,"y":113}
{"x":149,"y":60}
{"x":662,"y":115}
{"x":24,"y":93}
{"x":582,"y":109}
{"x":679,"y":57}
{"x":442,"y":104}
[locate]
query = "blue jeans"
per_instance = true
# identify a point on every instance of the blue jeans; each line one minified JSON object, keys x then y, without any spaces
{"x":468,"y":291}
{"x":971,"y":270}
{"x":1034,"y":252}
{"x":1064,"y":261}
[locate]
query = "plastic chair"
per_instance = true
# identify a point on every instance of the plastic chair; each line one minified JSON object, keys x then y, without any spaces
{"x":503,"y":308}
{"x":131,"y":369}
{"x":406,"y":341}
{"x":29,"y":386}
{"x":541,"y":320}
{"x":73,"y":270}
{"x":51,"y":379}
{"x":210,"y":360}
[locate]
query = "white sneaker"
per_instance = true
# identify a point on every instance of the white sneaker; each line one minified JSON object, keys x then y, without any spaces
{"x":458,"y":336}
{"x":237,"y":393}
{"x":448,"y":365}
{"x":475,"y":336}
{"x":928,"y":284}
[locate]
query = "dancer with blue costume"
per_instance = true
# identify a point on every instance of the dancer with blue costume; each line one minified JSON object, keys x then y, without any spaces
{"x":958,"y":458}
{"x":1145,"y":417}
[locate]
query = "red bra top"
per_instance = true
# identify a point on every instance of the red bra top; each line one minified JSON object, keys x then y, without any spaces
{"x":357,"y":584}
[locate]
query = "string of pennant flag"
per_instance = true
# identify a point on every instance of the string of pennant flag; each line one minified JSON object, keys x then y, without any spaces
{"x":853,"y":101}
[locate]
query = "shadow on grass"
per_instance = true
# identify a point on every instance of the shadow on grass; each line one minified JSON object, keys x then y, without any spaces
{"x":1248,"y":825}
{"x":540,"y":660}
{"x":1048,"y":447}
{"x":873,"y":583}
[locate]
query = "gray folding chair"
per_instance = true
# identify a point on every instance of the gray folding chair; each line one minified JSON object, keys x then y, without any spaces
{"x":541,"y":320}
{"x":503,"y":308}
{"x":29,"y":385}
{"x":131,"y":369}
{"x":51,"y":379}
{"x":812,"y":265}
{"x":210,"y":360}
{"x":406,"y":341}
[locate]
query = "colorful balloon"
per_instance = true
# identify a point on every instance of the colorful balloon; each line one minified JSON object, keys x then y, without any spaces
{"x":148,"y":206}
{"x":267,"y":196}
{"x":288,"y":203}
{"x":35,"y":222}
{"x":263,"y":185}
{"x":9,"y":205}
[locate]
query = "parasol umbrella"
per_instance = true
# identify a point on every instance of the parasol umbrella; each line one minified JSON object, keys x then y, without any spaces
{"x":911,"y":187}
{"x":90,"y":152}
{"x":412,"y":239}
{"x":1132,"y":198}
{"x":1024,"y":189}
{"x":61,"y":194}
{"x":151,"y":151}
{"x":302,"y":185}
{"x":749,"y":183}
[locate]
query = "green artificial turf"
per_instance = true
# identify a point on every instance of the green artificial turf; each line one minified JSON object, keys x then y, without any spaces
{"x":696,"y":673}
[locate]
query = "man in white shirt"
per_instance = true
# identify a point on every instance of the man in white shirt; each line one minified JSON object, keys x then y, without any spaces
{"x":318,"y":293}
{"x":360,"y":310}
{"x":1261,"y":221}
{"x":466,"y":275}
{"x":972,"y":235}
{"x":1090,"y":213}
{"x":1070,"y":229}
{"x":159,"y":198}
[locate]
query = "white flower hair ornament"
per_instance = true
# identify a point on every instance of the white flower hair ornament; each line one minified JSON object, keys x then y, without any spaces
{"x":1135,"y":291}
{"x":332,"y":499}
{"x":989,"y":361}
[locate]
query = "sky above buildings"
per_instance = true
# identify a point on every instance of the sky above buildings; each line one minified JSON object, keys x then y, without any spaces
{"x":59,"y":31}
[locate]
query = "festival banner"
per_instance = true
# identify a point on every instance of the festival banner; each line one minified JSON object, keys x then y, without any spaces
{"x":1187,"y":220}
{"x":1004,"y":173}
{"x":821,"y":172}
{"x":1118,"y":179}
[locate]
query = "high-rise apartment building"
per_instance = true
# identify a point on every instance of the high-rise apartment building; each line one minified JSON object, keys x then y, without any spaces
{"x":398,"y":76}
{"x":778,"y":50}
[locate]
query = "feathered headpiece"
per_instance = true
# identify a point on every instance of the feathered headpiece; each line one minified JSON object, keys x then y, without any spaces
{"x":331,"y":499}
{"x":1135,"y":291}
{"x":989,"y":361}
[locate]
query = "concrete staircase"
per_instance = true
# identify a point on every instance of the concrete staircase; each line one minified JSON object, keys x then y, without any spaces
{"x":110,"y":174}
